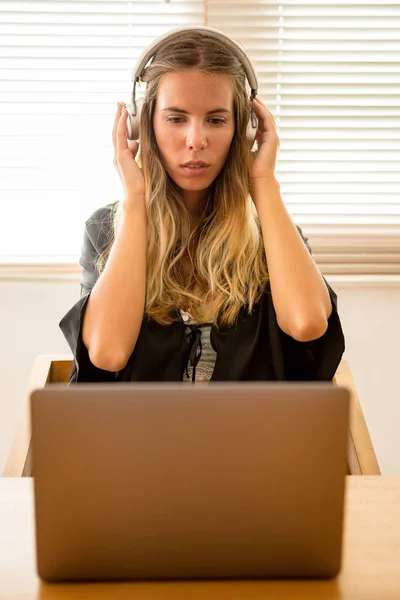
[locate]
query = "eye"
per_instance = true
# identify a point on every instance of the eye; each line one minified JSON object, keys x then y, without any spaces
{"x":174,"y":119}
{"x":178,"y":120}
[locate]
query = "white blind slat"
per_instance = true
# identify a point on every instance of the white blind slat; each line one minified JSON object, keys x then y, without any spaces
{"x":329,"y":72}
{"x":63,"y":67}
{"x":336,"y":82}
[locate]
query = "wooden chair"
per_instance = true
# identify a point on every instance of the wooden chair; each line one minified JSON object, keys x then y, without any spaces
{"x":50,"y":369}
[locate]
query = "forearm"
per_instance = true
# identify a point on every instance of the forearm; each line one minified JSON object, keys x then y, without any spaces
{"x":300,"y":296}
{"x":115,"y":308}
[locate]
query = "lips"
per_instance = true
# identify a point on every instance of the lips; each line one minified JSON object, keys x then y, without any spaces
{"x":195,"y":163}
{"x":191,"y":170}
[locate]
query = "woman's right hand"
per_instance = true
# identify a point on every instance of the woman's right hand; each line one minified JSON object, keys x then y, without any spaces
{"x":125,"y":152}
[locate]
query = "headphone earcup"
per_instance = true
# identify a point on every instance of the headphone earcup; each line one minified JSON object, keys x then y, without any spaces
{"x":133,"y":121}
{"x":252,"y":127}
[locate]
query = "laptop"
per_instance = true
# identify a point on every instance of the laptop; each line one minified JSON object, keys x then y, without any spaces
{"x":146,"y":481}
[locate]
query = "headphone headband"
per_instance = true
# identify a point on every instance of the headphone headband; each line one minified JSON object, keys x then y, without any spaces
{"x":134,"y":109}
{"x":236,"y":48}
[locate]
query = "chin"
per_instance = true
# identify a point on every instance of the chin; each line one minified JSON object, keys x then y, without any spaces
{"x":196,"y":183}
{"x":186,"y":184}
{"x":201,"y":184}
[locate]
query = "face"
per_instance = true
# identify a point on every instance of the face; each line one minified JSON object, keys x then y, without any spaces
{"x":194,"y":121}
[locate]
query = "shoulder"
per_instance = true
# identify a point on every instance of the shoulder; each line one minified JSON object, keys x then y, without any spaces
{"x":99,"y":226}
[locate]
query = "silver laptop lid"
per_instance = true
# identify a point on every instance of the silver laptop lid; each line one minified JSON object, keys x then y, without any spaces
{"x":151,"y":481}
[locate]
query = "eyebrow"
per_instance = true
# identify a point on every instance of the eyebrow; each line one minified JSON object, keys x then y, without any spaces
{"x":185,"y":112}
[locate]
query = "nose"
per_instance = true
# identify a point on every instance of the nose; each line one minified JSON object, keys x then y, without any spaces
{"x":196,"y":138}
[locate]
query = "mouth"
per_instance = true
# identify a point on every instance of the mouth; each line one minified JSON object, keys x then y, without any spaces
{"x":195,"y":169}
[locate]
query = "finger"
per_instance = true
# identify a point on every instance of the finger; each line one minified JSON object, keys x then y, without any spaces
{"x":116,"y":119}
{"x":265,"y":117}
{"x":121,"y":134}
{"x":132,"y":145}
{"x":260,"y":103}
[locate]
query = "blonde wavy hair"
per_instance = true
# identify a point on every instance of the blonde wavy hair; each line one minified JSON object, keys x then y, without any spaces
{"x":225,"y":248}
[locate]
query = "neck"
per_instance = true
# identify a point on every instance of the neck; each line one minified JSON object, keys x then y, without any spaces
{"x":194,"y":203}
{"x":195,"y":200}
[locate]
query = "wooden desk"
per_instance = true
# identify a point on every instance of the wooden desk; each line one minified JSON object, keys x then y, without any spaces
{"x":371,"y":562}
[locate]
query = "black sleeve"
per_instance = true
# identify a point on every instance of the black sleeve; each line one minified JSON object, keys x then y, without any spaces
{"x":319,"y":359}
{"x":304,"y":238}
{"x":97,"y":230}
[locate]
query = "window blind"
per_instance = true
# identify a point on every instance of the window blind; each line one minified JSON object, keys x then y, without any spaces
{"x":330,"y":73}
{"x":64,"y":66}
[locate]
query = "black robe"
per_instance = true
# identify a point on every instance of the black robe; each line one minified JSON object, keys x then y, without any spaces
{"x":254,"y":349}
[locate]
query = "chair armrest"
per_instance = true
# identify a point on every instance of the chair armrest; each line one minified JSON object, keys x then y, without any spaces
{"x":46,"y":369}
{"x":361,"y":455}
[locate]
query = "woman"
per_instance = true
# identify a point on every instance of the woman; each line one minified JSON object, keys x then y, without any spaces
{"x":199,"y":267}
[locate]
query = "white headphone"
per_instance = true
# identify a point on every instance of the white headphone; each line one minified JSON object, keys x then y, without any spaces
{"x":135,"y":107}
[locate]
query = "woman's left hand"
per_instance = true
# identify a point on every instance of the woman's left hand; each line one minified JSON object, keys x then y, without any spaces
{"x":267,"y":142}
